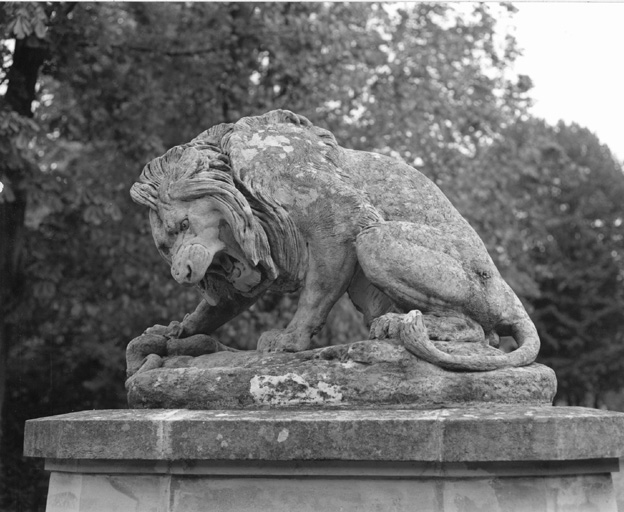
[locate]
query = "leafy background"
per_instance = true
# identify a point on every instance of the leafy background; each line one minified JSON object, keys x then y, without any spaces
{"x":90,"y":92}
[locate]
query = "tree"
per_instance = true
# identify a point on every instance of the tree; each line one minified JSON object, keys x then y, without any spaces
{"x":19,"y":73}
{"x":553,"y":195}
{"x":581,"y":307}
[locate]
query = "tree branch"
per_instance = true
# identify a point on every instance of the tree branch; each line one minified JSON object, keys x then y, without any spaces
{"x":168,"y":53}
{"x":156,"y":51}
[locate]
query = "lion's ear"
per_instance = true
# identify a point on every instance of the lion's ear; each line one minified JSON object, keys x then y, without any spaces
{"x":144,"y":194}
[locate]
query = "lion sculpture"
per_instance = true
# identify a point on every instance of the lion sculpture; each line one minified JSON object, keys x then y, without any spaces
{"x":273,"y":202}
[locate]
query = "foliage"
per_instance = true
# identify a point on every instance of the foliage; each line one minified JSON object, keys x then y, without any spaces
{"x":570,"y":212}
{"x":548,"y":208}
{"x":118,"y":84}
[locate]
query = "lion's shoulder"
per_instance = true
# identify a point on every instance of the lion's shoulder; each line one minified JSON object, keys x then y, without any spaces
{"x":271,"y":144}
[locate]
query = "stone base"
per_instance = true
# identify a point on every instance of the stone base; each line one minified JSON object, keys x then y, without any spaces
{"x":329,"y":487}
{"x":496,"y":459}
{"x":355,"y":376}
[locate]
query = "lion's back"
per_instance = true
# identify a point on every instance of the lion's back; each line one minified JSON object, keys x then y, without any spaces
{"x":284,"y":156}
{"x":397,"y":190}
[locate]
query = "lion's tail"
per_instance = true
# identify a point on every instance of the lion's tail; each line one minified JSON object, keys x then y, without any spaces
{"x":413,"y":334}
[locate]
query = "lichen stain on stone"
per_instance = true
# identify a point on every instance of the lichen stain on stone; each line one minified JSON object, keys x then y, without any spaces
{"x":248,"y":154}
{"x":349,"y":364}
{"x":291,"y":389}
{"x":263,"y":140}
{"x":224,"y":443}
{"x":282,"y":436}
{"x":302,"y":200}
{"x":306,"y":199}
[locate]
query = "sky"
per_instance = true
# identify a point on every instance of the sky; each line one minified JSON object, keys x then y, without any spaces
{"x":574,"y":53}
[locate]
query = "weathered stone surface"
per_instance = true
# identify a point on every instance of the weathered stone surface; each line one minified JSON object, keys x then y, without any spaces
{"x":499,"y":459}
{"x":274,"y":203}
{"x":358,"y":375}
{"x":466,"y":435}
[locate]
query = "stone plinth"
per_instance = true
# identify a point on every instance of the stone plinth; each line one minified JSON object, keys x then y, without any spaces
{"x":502,"y":458}
{"x":359,"y":375}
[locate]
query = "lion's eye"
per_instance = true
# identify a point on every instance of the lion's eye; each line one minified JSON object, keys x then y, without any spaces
{"x":184,"y":225}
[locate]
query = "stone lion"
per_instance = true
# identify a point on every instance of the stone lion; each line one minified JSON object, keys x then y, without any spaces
{"x":273,"y":202}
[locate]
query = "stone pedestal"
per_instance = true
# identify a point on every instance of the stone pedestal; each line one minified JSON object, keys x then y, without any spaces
{"x":370,"y":374}
{"x":503,"y":458}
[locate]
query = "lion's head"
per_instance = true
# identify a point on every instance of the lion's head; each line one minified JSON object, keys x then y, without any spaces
{"x":202,"y":224}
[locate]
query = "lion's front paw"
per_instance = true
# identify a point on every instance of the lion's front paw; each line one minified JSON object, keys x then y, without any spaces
{"x":141,"y":348}
{"x":277,"y":340}
{"x":173,"y":330}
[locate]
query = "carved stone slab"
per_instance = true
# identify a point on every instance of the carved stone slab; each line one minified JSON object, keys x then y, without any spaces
{"x":364,"y":374}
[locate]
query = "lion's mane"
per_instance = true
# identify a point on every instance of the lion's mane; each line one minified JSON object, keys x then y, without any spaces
{"x":263,"y":228}
{"x":200,"y":169}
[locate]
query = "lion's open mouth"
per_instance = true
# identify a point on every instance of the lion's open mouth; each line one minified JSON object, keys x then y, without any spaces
{"x":238,"y":273}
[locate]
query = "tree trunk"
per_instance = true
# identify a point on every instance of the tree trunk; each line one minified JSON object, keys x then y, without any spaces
{"x":28,"y":57}
{"x":11,"y":230}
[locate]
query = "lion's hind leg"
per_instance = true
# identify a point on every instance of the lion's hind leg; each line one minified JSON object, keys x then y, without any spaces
{"x":439,"y":277}
{"x":415,"y":267}
{"x":418,"y":266}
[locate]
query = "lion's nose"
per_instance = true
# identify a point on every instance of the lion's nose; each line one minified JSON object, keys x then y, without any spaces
{"x":182,"y":273}
{"x":189,"y":264}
